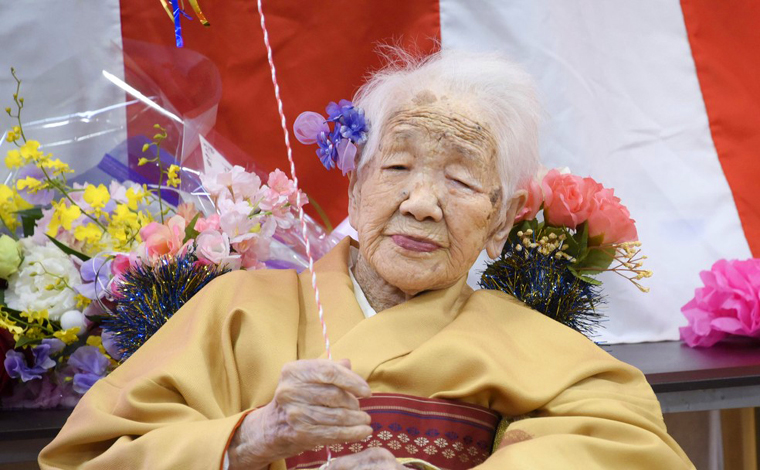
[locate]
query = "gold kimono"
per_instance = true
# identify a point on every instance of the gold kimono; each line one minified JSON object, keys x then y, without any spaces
{"x":176,"y":402}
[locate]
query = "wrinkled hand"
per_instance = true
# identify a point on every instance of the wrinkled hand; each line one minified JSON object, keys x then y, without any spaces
{"x":373,"y":458}
{"x":316,"y":403}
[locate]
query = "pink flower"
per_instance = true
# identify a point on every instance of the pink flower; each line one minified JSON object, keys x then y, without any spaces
{"x":280,"y":183}
{"x":568,"y":199}
{"x":214,"y":247}
{"x":610,"y":221}
{"x":209,"y":223}
{"x":533,"y":204}
{"x":121,"y":263}
{"x":236,"y":183}
{"x":254,"y":251}
{"x":162,"y":240}
{"x":728,"y":304}
{"x":187,"y":210}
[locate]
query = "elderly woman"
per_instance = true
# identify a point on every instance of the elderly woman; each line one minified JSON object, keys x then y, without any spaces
{"x":428,"y":368}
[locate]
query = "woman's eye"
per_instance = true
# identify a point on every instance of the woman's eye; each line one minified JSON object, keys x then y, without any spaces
{"x":397,"y":167}
{"x":461,"y":183}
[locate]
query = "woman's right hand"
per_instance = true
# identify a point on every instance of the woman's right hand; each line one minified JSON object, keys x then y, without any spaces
{"x":316,"y":403}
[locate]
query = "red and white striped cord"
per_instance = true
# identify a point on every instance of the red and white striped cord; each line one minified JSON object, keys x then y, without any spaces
{"x":304,"y":232}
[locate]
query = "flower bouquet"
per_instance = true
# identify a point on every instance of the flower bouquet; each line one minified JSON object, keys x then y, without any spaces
{"x":88,"y":272}
{"x":570,"y":230}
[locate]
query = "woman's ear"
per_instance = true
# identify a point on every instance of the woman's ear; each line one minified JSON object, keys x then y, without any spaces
{"x":354,"y":198}
{"x":504,"y":225}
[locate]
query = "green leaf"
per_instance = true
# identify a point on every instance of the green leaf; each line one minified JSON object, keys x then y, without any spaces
{"x":25,"y":340}
{"x":29,"y":218}
{"x":190,"y":231}
{"x":596,"y":260}
{"x":584,"y":277}
{"x":67,"y":250}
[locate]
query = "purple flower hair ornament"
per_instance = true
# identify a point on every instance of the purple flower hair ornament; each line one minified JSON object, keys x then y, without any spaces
{"x":15,"y":362}
{"x":336,"y":147}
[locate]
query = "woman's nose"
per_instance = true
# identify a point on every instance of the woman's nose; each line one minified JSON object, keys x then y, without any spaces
{"x":422,"y":203}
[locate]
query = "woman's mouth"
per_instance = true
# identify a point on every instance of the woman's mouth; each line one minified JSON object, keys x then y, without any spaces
{"x":415,"y":244}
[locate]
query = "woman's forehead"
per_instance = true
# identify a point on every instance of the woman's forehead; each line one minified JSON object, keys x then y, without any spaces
{"x":448,"y":123}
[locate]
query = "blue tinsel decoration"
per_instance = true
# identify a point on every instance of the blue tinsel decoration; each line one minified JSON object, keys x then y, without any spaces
{"x":545,"y":284}
{"x":148,"y":295}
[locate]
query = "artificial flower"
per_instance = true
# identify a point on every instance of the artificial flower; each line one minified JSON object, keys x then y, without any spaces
{"x":568,"y":199}
{"x":214,"y":247}
{"x":10,"y":257}
{"x":15,"y":362}
{"x":69,"y":336}
{"x":89,"y":366}
{"x":34,"y":195}
{"x":74,"y":319}
{"x":328,"y":147}
{"x":209,"y":223}
{"x":96,"y":196}
{"x":353,"y":125}
{"x":63,"y":216}
{"x":161,"y":240}
{"x":173,"y":176}
{"x":610,"y":222}
{"x":30,"y":152}
{"x":88,"y":233}
{"x":187,"y":210}
{"x":44,"y":281}
{"x":95,"y":274}
{"x":13,"y":159}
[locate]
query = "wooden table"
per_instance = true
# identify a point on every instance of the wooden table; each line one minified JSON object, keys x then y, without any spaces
{"x":697,"y":379}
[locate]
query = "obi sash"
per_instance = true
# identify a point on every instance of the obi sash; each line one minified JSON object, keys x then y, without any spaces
{"x":447,"y":434}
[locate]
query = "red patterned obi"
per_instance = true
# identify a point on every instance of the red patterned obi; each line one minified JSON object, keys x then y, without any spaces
{"x":447,"y":434}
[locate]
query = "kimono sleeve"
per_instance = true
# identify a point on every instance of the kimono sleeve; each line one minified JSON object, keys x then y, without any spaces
{"x":594,"y":424}
{"x":177,"y":401}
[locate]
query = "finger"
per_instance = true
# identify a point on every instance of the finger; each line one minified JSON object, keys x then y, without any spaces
{"x":330,"y":373}
{"x":344,"y":363}
{"x":317,"y":394}
{"x":371,"y":459}
{"x":324,"y":416}
{"x":343,"y":434}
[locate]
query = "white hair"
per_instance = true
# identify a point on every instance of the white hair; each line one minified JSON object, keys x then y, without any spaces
{"x":499,"y":89}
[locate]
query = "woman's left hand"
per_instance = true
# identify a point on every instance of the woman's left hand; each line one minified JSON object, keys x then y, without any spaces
{"x":370,"y":459}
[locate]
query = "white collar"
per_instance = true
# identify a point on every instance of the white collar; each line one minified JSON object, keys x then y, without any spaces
{"x":367,"y":309}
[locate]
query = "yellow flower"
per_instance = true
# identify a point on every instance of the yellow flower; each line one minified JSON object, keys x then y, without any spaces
{"x":134,"y":198}
{"x":13,"y":134}
{"x":96,"y":196}
{"x":173,"y":175}
{"x":13,"y":159}
{"x":57,"y":166}
{"x":29,"y":183}
{"x":35,"y":316}
{"x":68,"y":336}
{"x":30,"y":152}
{"x":89,"y":233}
{"x":63,"y":216}
{"x":10,"y":202}
{"x":82,"y":301}
{"x":142,"y":161}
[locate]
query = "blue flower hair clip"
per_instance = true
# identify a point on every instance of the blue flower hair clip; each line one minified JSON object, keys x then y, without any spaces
{"x":337,"y":146}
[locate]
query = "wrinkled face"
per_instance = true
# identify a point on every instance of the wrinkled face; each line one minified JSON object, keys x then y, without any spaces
{"x":430,"y":200}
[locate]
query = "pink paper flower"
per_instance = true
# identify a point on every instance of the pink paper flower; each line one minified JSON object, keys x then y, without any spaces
{"x":161,"y":240}
{"x":280,"y":183}
{"x":610,"y":220}
{"x":214,"y":247}
{"x":254,"y":252}
{"x":728,"y":304}
{"x":568,"y":199}
{"x":533,"y":204}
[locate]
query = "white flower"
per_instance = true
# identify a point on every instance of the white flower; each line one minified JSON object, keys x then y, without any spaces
{"x":43,"y":266}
